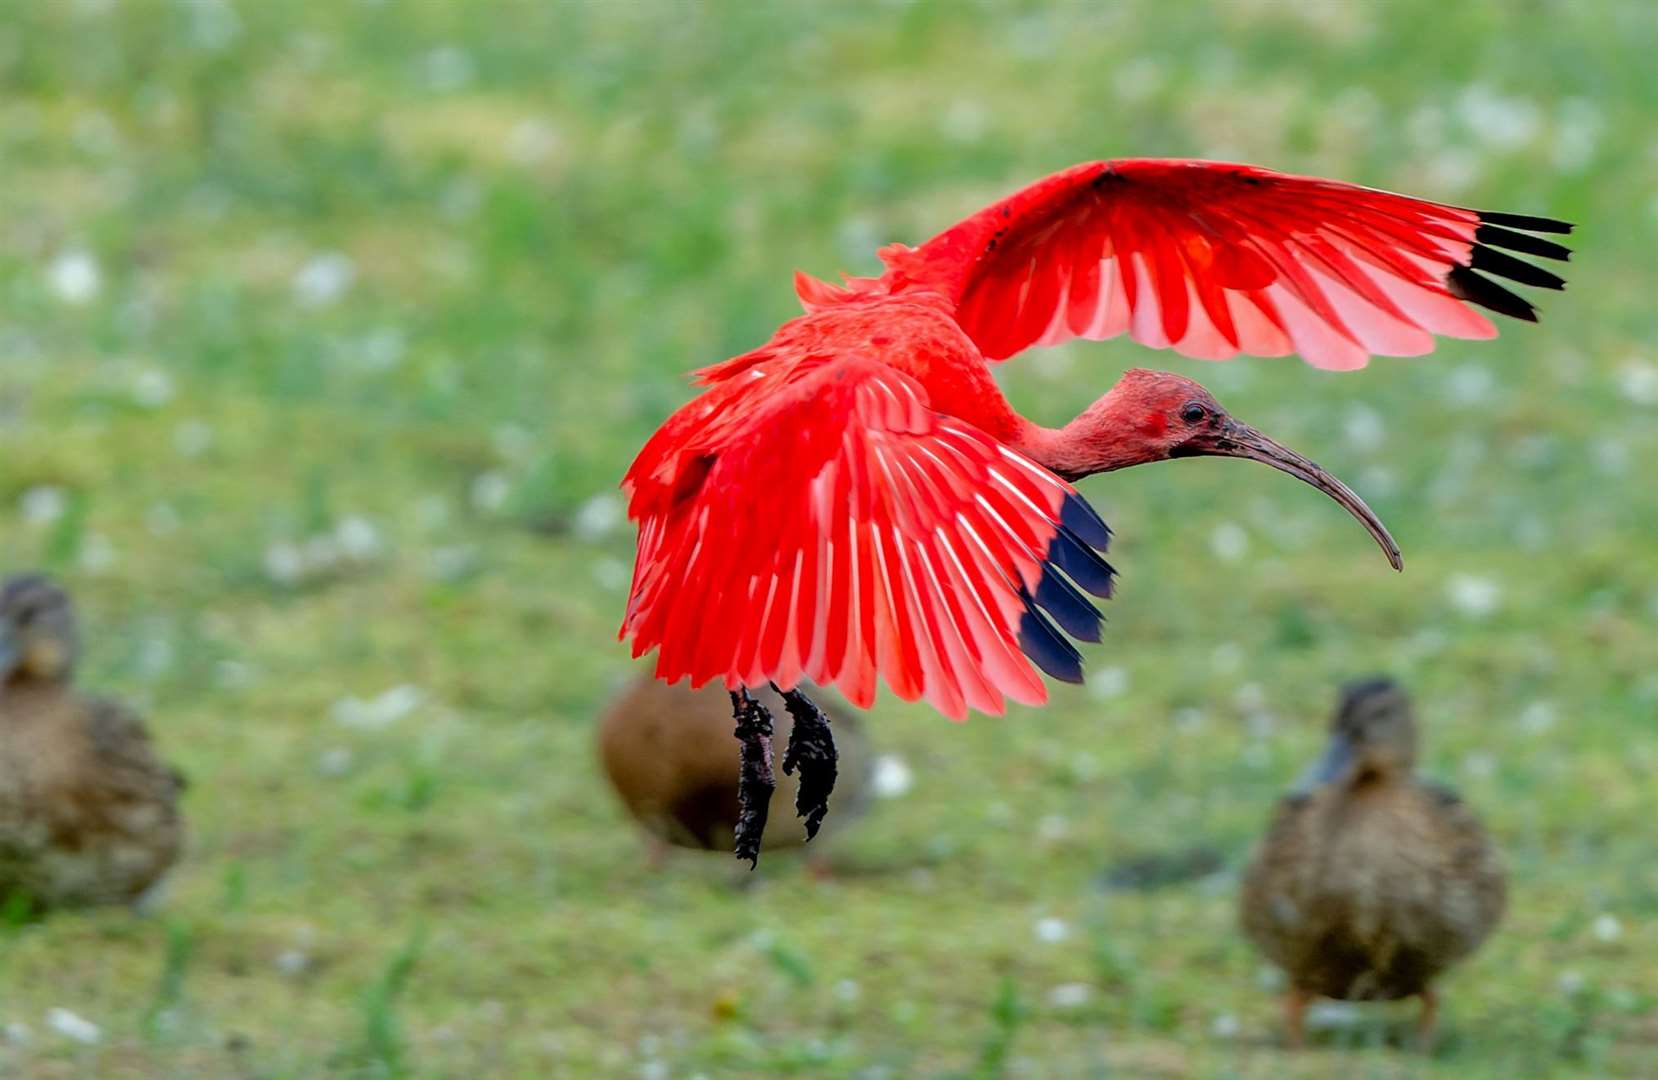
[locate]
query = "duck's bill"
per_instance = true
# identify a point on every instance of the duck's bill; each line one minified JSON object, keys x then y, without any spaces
{"x":1338,"y":757}
{"x":10,"y":653}
{"x":1242,"y":441}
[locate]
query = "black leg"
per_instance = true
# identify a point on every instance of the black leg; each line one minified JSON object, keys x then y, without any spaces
{"x":812,"y":750}
{"x":755,"y":783}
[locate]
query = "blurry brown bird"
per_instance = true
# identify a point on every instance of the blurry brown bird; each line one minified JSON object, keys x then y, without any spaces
{"x":1370,"y":882}
{"x":88,"y":815}
{"x":671,"y":756}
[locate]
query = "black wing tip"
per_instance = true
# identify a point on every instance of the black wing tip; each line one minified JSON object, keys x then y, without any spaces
{"x":1528,"y":222}
{"x":1525,"y":243}
{"x":1083,"y":520}
{"x":1047,"y":649}
{"x":1507,"y":266}
{"x":1067,"y":606}
{"x":1081,"y":563}
{"x":1464,"y":284}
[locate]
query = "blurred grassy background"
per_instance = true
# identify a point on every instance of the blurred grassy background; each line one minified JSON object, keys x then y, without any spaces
{"x":328,"y":329}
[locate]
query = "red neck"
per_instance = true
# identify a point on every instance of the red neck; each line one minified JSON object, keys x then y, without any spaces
{"x":1097,"y":441}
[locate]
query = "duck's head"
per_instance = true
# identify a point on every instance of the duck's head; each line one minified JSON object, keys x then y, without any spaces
{"x":1372,"y":735}
{"x":38,"y":642}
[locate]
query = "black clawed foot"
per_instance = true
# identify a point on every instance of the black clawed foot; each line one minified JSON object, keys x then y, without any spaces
{"x":755,"y":783}
{"x":812,"y":750}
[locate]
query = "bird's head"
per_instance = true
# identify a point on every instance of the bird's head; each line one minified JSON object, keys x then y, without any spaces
{"x":1158,"y":415}
{"x":38,"y":641}
{"x":1372,"y":734}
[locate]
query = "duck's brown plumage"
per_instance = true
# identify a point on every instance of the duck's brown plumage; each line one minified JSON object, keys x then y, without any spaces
{"x":671,"y":758}
{"x":88,"y":813}
{"x":1370,"y":882}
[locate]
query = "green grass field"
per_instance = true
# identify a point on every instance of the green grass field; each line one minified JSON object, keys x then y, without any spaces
{"x":328,"y":329}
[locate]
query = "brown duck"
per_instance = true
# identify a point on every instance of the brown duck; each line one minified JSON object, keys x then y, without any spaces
{"x":1370,"y":882}
{"x":671,"y":756}
{"x":88,"y":815}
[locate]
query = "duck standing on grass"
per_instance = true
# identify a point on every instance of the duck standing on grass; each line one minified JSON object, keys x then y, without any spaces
{"x":669,"y":753}
{"x":1370,"y":882}
{"x":88,"y":814}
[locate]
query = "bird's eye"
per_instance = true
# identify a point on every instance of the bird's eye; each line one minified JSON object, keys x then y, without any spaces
{"x":1193,"y":413}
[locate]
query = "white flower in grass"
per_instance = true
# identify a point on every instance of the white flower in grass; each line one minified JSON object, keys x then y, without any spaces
{"x":1107,"y":682}
{"x":98,"y":555}
{"x":74,"y":276}
{"x":152,"y":388}
{"x":1500,"y":121}
{"x":379,"y":712}
{"x":232,"y":674}
{"x":1139,"y":79}
{"x":1474,"y":596}
{"x":1612,"y":456}
{"x":448,"y":68}
{"x":1538,"y":717}
{"x":1053,"y":828}
{"x":599,"y":516}
{"x":1070,"y":995}
{"x":1364,"y":428}
{"x":1576,"y":134}
{"x":292,"y":962}
{"x":892,"y":778}
{"x":42,"y":505}
{"x":192,"y":438}
{"x":490,"y":491}
{"x":532,"y":141}
{"x":324,"y":279}
{"x":70,"y":1026}
{"x":610,"y":573}
{"x":161,"y":519}
{"x":1226,"y":1026}
{"x":1378,"y":481}
{"x":1471,"y":385}
{"x":846,"y":991}
{"x":1570,"y":981}
{"x":1229,"y":542}
{"x":1480,"y":765}
{"x":358,"y":539}
{"x":284,"y":563}
{"x":452,"y":563}
{"x":1607,"y":928}
{"x":1638,"y":381}
{"x":964,"y":121}
{"x":1226,"y":658}
{"x":381,"y":350}
{"x":1052,"y":930}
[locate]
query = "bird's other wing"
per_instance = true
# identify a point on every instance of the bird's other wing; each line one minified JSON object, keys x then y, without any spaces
{"x":843,"y":529}
{"x":1215,"y":259}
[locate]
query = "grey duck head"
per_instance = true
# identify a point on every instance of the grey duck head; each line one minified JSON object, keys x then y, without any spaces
{"x":38,"y":640}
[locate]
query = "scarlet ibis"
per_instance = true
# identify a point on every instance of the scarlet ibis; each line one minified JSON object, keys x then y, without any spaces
{"x":857,"y":498}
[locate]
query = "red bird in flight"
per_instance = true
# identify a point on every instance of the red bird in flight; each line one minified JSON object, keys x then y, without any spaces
{"x":857,"y":498}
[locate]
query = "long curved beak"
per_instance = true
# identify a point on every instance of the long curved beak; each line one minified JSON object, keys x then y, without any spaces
{"x":1236,"y":439}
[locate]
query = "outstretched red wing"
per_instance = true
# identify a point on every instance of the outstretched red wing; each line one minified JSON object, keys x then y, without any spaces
{"x":845,"y":530}
{"x":1215,"y":259}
